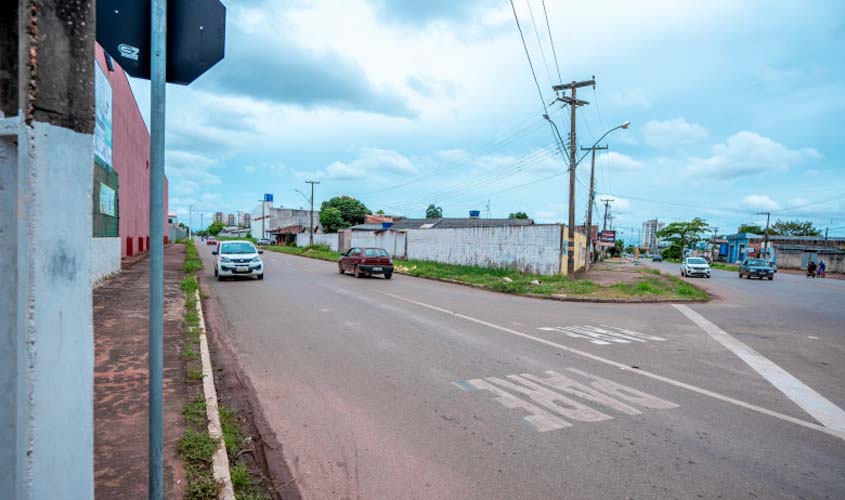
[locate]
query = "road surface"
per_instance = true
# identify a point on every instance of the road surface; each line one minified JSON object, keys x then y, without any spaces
{"x":416,"y":389}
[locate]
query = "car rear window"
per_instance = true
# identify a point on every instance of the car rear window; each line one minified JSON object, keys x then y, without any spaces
{"x":375,"y":252}
{"x":757,"y":262}
{"x":696,"y":261}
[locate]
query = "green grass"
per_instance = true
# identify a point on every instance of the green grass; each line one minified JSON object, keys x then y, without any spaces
{"x":201,"y":483}
{"x":193,"y":263}
{"x":194,"y":411}
{"x":321,"y":252}
{"x":195,"y":374}
{"x":230,"y":424}
{"x":188,"y":352}
{"x":189,"y":284}
{"x":197,"y":446}
{"x":724,"y":266}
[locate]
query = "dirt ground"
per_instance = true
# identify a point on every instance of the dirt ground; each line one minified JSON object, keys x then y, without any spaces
{"x":121,"y":321}
{"x":613,"y":271}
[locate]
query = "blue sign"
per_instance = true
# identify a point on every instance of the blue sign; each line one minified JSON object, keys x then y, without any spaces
{"x":723,"y":248}
{"x":268,"y":197}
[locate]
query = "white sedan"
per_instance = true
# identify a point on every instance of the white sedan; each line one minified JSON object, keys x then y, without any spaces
{"x":238,"y":258}
{"x":695,"y":266}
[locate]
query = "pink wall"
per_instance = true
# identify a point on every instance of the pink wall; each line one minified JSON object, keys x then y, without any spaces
{"x":131,"y":160}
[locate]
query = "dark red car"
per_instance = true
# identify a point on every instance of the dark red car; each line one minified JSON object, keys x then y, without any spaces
{"x":366,"y":261}
{"x":211,"y":240}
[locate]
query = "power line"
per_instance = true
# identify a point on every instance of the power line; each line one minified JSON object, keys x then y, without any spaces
{"x":552,"y":42}
{"x":539,"y":43}
{"x":527,"y":55}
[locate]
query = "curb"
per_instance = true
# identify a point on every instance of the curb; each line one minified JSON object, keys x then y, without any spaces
{"x":220,"y":460}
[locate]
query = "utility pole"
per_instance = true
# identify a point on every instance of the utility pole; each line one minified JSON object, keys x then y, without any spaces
{"x":766,"y":233}
{"x":573,"y":108}
{"x":713,"y":247}
{"x":606,"y":202}
{"x":589,"y":226}
{"x":263,"y":232}
{"x":311,"y":227}
{"x":202,"y":224}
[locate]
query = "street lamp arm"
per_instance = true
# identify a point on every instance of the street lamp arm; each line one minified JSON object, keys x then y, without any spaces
{"x":303,"y":195}
{"x":624,"y":125}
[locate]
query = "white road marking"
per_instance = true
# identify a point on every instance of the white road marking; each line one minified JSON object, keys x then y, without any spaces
{"x":644,"y":373}
{"x":602,"y":336}
{"x":539,"y":391}
{"x":804,"y":396}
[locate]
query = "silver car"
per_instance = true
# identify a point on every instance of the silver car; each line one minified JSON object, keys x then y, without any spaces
{"x":238,"y":258}
{"x":695,"y":266}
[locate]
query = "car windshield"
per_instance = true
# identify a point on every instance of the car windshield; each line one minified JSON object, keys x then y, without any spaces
{"x":375,"y":252}
{"x":756,"y":262}
{"x":237,"y":247}
{"x":696,"y":260}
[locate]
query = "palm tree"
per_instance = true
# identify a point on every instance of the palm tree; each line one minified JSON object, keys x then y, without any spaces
{"x":433,"y":212}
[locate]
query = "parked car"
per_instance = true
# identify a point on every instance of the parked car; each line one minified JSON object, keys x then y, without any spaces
{"x":211,"y":240}
{"x":238,"y":258}
{"x":264,"y":241}
{"x":366,"y":261}
{"x":695,"y":266}
{"x":756,"y":267}
{"x":656,"y":258}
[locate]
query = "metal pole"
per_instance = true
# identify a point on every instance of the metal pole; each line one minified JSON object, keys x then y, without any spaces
{"x":158,"y":67}
{"x":589,"y":228}
{"x":311,"y":213}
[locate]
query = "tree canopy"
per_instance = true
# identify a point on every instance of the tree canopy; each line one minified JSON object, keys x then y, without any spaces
{"x":433,"y":212}
{"x":351,"y":212}
{"x":215,"y":227}
{"x":795,"y":228}
{"x":684,"y":234}
{"x":518,"y":215}
{"x":750,"y":228}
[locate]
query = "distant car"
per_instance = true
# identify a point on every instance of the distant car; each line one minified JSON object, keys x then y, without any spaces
{"x":695,"y":266}
{"x":366,"y":261}
{"x":238,"y":258}
{"x":656,"y":258}
{"x":756,"y":267}
{"x":264,"y":241}
{"x":211,"y":240}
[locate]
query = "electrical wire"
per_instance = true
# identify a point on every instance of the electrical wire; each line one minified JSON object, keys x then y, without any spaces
{"x":539,"y":43}
{"x":527,"y":55}
{"x":552,"y":42}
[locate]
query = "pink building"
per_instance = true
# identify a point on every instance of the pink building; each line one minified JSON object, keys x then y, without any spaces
{"x":131,"y":161}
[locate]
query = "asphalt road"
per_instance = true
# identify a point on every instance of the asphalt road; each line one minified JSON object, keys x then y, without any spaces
{"x":411,"y":388}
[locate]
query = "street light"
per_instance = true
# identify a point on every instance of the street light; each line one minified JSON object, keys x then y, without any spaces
{"x":190,"y":210}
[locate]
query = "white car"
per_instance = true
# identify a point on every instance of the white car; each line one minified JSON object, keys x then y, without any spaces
{"x":238,"y":258}
{"x":695,"y":266}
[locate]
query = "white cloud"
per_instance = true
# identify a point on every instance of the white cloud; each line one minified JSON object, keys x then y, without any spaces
{"x":670,"y":134}
{"x":184,"y":188}
{"x":618,"y":161}
{"x":617,"y":205}
{"x":747,"y":153}
{"x":371,"y":163}
{"x":760,"y":202}
{"x":249,"y":168}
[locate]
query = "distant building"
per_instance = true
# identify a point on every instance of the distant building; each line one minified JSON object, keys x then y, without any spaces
{"x":267,"y":219}
{"x":218,"y":216}
{"x":650,"y":239}
{"x":230,"y":220}
{"x":244,"y":219}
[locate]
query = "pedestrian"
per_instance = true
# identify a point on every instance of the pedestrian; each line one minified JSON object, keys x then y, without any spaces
{"x":822,"y":268}
{"x":811,"y":269}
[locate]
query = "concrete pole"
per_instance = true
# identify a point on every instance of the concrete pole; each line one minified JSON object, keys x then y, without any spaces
{"x":158,"y":69}
{"x":589,"y":227}
{"x":311,"y":213}
{"x":570,"y":243}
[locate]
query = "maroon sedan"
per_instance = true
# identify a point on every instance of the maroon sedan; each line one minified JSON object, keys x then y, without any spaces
{"x":366,"y":261}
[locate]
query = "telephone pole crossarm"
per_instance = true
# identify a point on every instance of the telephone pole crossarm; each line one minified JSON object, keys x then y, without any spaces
{"x":574,"y":85}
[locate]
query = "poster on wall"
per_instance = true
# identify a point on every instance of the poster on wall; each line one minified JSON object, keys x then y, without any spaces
{"x":107,"y":200}
{"x":102,"y":111}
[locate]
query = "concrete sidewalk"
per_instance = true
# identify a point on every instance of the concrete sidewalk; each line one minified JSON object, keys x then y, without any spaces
{"x":120,"y":384}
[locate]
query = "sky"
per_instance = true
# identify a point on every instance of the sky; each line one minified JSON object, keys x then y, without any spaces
{"x":735,"y":108}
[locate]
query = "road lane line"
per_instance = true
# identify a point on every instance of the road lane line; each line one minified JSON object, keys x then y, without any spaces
{"x":644,"y":373}
{"x":804,"y":396}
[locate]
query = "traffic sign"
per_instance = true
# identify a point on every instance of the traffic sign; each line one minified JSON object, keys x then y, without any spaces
{"x":196,"y":36}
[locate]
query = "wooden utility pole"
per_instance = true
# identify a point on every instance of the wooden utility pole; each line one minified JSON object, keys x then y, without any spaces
{"x":311,"y":213}
{"x":589,"y":225}
{"x":766,"y":233}
{"x":573,"y":108}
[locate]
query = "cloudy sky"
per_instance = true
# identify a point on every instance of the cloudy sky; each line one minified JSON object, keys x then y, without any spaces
{"x":736,"y":108}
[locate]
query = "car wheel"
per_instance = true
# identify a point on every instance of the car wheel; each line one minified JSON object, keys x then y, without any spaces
{"x":215,"y":270}
{"x":219,"y":278}
{"x":388,"y":276}
{"x":748,"y":277}
{"x":740,"y":275}
{"x":357,"y":272}
{"x":340,"y":268}
{"x":771,"y":278}
{"x":261,"y":276}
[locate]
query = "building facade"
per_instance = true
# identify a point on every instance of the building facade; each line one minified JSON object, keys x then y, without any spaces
{"x":218,"y":216}
{"x":266,"y":219}
{"x":231,"y":220}
{"x":650,"y":240}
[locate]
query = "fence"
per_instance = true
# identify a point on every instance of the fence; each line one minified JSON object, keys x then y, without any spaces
{"x":328,"y":239}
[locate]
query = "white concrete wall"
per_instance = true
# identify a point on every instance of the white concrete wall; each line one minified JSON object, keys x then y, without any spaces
{"x":329,"y":239}
{"x":392,"y":241}
{"x":48,"y":314}
{"x":105,"y":257}
{"x":534,"y":249}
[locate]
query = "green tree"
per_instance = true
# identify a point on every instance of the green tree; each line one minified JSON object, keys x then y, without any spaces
{"x":518,"y":215}
{"x":433,"y":212}
{"x":750,"y":228}
{"x":332,"y":220}
{"x":684,"y":234}
{"x":215,"y":227}
{"x":795,"y":228}
{"x":351,"y":211}
{"x":380,"y":212}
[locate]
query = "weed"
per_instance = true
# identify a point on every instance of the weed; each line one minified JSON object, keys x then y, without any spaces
{"x":241,"y":481}
{"x":194,"y":412}
{"x":189,"y":353}
{"x":197,"y":446}
{"x":189,"y":284}
{"x":229,"y":422}
{"x":195,"y":374}
{"x":192,"y":318}
{"x":201,"y":483}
